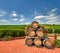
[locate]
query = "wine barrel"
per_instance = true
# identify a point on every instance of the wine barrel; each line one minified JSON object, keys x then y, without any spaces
{"x":31,"y":33}
{"x":52,"y":38}
{"x":40,"y":33}
{"x":28,"y":29}
{"x":29,"y":41}
{"x":35,"y":24}
{"x":47,"y":43}
{"x":37,"y":42}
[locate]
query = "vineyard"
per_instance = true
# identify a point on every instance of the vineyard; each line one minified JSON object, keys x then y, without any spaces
{"x":9,"y":31}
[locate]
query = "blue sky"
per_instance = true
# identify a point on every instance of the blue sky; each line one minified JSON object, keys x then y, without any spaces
{"x":15,"y":12}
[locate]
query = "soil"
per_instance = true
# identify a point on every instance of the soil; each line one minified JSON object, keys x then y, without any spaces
{"x":18,"y":46}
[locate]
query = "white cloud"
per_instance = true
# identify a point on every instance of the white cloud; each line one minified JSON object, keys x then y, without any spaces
{"x":4,"y":21}
{"x":50,"y":18}
{"x":49,"y":21}
{"x":21,"y":16}
{"x":14,"y":14}
{"x":15,"y":19}
{"x":54,"y":9}
{"x":2,"y":13}
{"x":37,"y":13}
{"x":39,"y":16}
{"x":40,"y":22}
{"x":22,"y":19}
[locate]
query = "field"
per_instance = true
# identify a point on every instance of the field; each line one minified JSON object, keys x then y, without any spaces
{"x":55,"y":27}
{"x":19,"y":30}
{"x":22,"y":27}
{"x":9,"y":27}
{"x":52,"y":26}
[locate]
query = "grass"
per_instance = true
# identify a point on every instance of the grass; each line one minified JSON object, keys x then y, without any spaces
{"x":51,"y":26}
{"x":23,"y":27}
{"x":19,"y":30}
{"x":12,"y":27}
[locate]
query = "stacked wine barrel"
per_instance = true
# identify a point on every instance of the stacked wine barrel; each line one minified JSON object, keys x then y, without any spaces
{"x":37,"y":35}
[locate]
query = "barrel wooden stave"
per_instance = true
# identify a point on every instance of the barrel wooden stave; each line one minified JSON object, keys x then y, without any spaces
{"x":37,"y":42}
{"x":40,"y":33}
{"x":47,"y":43}
{"x":28,"y":29}
{"x":31,"y":33}
{"x":35,"y":30}
{"x":35,"y":24}
{"x":29,"y":41}
{"x":52,"y":38}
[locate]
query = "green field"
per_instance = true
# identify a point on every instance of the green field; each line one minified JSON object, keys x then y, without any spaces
{"x":53,"y":26}
{"x":8,"y":31}
{"x":22,"y":27}
{"x":9,"y":27}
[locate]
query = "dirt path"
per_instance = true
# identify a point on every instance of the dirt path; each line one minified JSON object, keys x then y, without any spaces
{"x":17,"y":46}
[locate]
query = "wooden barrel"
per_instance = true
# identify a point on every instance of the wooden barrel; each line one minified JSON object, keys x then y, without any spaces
{"x":37,"y":42}
{"x":31,"y":33}
{"x":29,"y":41}
{"x":28,"y":29}
{"x":47,"y":43}
{"x":52,"y":38}
{"x":40,"y":33}
{"x":35,"y":24}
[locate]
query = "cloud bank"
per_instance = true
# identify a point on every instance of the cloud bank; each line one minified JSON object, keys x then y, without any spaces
{"x":13,"y":17}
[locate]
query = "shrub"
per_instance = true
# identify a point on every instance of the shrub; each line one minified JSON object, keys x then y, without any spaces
{"x":55,"y":31}
{"x":6,"y":38}
{"x":1,"y":34}
{"x":21,"y":33}
{"x":49,"y":30}
{"x":13,"y":33}
{"x":4,"y":33}
{"x":18,"y":33}
{"x":57,"y":43}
